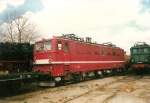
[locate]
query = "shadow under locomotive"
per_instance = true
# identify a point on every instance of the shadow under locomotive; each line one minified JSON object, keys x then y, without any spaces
{"x":25,"y":86}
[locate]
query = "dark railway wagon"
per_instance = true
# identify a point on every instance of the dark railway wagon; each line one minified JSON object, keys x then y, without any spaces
{"x":15,"y":58}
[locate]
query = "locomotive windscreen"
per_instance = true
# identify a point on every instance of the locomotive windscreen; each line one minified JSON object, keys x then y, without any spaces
{"x":140,"y":55}
{"x":42,"y":46}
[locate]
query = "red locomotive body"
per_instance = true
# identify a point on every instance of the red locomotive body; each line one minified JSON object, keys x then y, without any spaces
{"x":65,"y":56}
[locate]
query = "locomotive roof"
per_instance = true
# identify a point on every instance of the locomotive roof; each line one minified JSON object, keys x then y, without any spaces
{"x":73,"y":37}
{"x":108,"y":44}
{"x":140,"y":45}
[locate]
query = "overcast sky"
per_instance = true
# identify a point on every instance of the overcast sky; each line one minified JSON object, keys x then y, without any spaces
{"x":122,"y":22}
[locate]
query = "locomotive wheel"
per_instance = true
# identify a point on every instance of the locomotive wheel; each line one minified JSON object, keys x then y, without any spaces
{"x":82,"y":76}
{"x":104,"y":73}
{"x":114,"y":72}
{"x":79,"y":77}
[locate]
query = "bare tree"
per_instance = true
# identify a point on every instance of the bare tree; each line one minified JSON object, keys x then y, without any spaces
{"x":1,"y":33}
{"x":20,"y":29}
{"x":1,"y":36}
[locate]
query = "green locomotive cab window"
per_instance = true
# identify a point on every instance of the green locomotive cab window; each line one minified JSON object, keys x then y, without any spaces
{"x":134,"y":51}
{"x":141,"y":50}
{"x":146,"y":50}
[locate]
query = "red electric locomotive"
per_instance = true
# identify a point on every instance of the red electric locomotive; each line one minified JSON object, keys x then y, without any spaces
{"x":69,"y":57}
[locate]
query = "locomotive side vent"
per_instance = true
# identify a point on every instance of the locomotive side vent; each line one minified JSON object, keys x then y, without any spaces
{"x":86,"y":40}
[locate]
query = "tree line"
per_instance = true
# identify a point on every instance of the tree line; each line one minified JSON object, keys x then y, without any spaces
{"x":18,"y":29}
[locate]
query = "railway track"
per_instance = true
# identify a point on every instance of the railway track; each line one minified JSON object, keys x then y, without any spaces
{"x":34,"y":90}
{"x":73,"y":92}
{"x":93,"y":89}
{"x":115,"y":93}
{"x":101,"y":87}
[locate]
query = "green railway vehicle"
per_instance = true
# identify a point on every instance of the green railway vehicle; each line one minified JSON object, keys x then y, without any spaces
{"x":140,"y":56}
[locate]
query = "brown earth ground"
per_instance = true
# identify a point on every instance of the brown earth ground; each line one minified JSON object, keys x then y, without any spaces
{"x":119,"y":89}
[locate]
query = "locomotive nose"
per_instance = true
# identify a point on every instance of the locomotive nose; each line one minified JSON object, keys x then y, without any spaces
{"x":42,"y":58}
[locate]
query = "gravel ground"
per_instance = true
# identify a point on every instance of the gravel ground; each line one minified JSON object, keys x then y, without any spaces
{"x":119,"y":89}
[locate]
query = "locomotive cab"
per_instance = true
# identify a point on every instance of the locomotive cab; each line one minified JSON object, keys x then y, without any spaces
{"x":140,"y":56}
{"x":42,"y":52}
{"x":48,"y":54}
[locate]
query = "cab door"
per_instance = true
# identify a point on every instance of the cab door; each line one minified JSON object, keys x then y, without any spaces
{"x":67,"y":63}
{"x":66,"y":50}
{"x":63,"y":51}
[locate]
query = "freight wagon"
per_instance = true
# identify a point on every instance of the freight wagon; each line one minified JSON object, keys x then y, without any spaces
{"x":15,"y":57}
{"x":15,"y":62}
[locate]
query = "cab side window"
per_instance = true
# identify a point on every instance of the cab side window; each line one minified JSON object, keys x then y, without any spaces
{"x":134,"y":51}
{"x":59,"y":45}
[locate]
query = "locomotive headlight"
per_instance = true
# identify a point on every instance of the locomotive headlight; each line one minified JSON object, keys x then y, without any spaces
{"x":132,"y":60}
{"x":146,"y":60}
